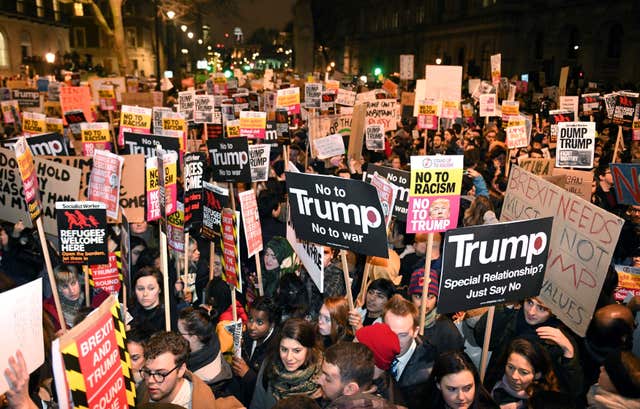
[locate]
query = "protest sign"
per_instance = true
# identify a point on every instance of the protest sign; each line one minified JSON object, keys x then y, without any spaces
{"x":628,"y":283}
{"x":289,"y":98}
{"x":312,"y":95}
{"x":487,"y":105}
{"x":508,"y":264}
{"x":33,"y":122}
{"x":107,"y":277}
{"x":186,"y":104}
{"x":387,"y":195}
{"x":576,"y":181}
{"x":329,"y":146}
{"x":443,"y":83}
{"x":346,"y":97}
{"x":233,"y":128}
{"x":428,"y":113}
{"x":374,"y":137}
{"x":517,"y":137}
{"x":496,"y":62}
{"x":168,"y":181}
{"x":230,"y":227}
{"x":323,"y":213}
{"x":21,"y":327}
{"x":45,"y":144}
{"x":203,"y":109}
{"x":590,"y":103}
{"x":152,"y":194}
{"x":91,"y":362}
{"x":625,"y":181}
{"x":406,"y":67}
{"x":401,"y":179}
{"x":27,"y":169}
{"x":142,"y":99}
{"x":253,"y":124}
{"x":240,"y":102}
{"x":107,"y":98}
{"x":134,"y":119}
{"x":570,"y":103}
{"x":450,"y":109}
{"x":104,"y":183}
{"x":76,"y":98}
{"x":391,"y":87}
{"x":95,"y":135}
{"x":230,"y":159}
{"x":310,"y":254}
{"x":328,"y":102}
{"x":509,"y":109}
{"x":10,"y":112}
{"x":27,"y":98}
{"x":215,"y":199}
{"x":54,"y":125}
{"x":174,"y":125}
{"x":382,"y":112}
{"x":434,"y":195}
{"x":581,"y":245}
{"x":117,"y":84}
{"x":576,"y":144}
{"x":82,"y":232}
{"x":251,"y":222}
{"x":625,"y":106}
{"x":175,"y":229}
{"x":194,"y":174}
{"x":259,"y":162}
{"x":537,"y":166}
{"x":557,"y":116}
{"x":136,"y":143}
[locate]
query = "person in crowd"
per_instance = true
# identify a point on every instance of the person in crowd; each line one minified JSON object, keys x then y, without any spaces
{"x":333,"y":321}
{"x":136,"y":246}
{"x":292,"y":297}
{"x":297,"y":402}
{"x":524,"y":370}
{"x":293,"y":370}
{"x":149,"y":257}
{"x":276,"y":251}
{"x":71,"y":295}
{"x":347,"y":378}
{"x":269,"y":209}
{"x":439,"y":330}
{"x":378,"y":293}
{"x":147,"y":308}
{"x":205,"y":359}
{"x":618,"y":386}
{"x":166,"y":378}
{"x":479,"y":212}
{"x":136,"y":337}
{"x":455,"y":383}
{"x":258,"y":341}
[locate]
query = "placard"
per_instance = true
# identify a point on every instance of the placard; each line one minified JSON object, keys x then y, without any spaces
{"x":230,"y":225}
{"x":146,"y":144}
{"x":134,"y":119}
{"x":76,"y":98}
{"x":346,"y":97}
{"x":625,"y":108}
{"x":406,"y":67}
{"x":374,"y":137}
{"x":329,"y":146}
{"x":576,"y":144}
{"x":259,"y":160}
{"x":195,"y":164}
{"x":94,"y":135}
{"x":203,"y":109}
{"x":82,"y":232}
{"x":578,"y":182}
{"x":186,"y":104}
{"x":44,"y":144}
{"x":496,"y":68}
{"x":251,"y":222}
{"x":107,"y":276}
{"x":443,"y":82}
{"x":487,"y":105}
{"x":168,"y":181}
{"x":625,"y":182}
{"x":401,"y":179}
{"x":517,"y":137}
{"x":31,"y":190}
{"x":230,"y":159}
{"x":253,"y":124}
{"x":312,"y":95}
{"x":382,"y":112}
{"x":104,"y":184}
{"x":215,"y":199}
{"x":152,"y":191}
{"x":537,"y":166}
{"x":628,"y":283}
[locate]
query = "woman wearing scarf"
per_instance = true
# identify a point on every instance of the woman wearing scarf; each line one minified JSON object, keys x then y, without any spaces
{"x":276,"y":251}
{"x":291,"y":371}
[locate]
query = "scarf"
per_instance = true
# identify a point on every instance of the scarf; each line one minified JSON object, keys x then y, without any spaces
{"x":299,"y":382}
{"x":503,"y":393}
{"x":204,"y":355}
{"x":430,"y":319}
{"x":70,"y":309}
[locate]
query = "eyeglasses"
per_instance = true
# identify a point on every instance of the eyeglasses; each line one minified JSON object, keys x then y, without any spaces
{"x":157,"y":377}
{"x":633,"y":210}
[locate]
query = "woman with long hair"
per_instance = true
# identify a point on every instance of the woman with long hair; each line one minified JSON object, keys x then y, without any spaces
{"x":293,"y":369}
{"x":333,"y":321}
{"x":479,"y":212}
{"x":147,"y":308}
{"x":455,"y":383}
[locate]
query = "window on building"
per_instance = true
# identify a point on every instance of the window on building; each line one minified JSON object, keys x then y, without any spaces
{"x":25,"y":44}
{"x":420,"y":14}
{"x":40,"y":8}
{"x":20,"y":6}
{"x":4,"y":50}
{"x":78,"y":10}
{"x":130,"y":35}
{"x":56,"y":10}
{"x":78,"y":38}
{"x":488,"y":3}
{"x":614,"y":42}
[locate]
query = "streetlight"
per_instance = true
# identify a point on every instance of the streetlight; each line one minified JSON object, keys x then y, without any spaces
{"x":190,"y":35}
{"x":199,"y":40}
{"x":183,"y":28}
{"x":50,"y":57}
{"x":438,"y":61}
{"x":184,"y":51}
{"x":171,"y":14}
{"x":576,"y":47}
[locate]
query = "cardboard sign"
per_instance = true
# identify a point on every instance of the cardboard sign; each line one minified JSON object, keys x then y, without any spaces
{"x":82,"y":232}
{"x":230,"y":227}
{"x":76,"y":98}
{"x":253,"y":124}
{"x":488,"y":105}
{"x":168,"y":181}
{"x":374,"y":137}
{"x":577,"y":181}
{"x":581,"y":245}
{"x":496,"y":62}
{"x":625,"y":105}
{"x":628,"y":283}
{"x":251,"y":222}
{"x":27,"y":169}
{"x":203,"y":109}
{"x":434,"y":195}
{"x":443,"y":83}
{"x":382,"y":112}
{"x":117,"y":84}
{"x":152,"y":184}
{"x":570,"y":103}
{"x":194,"y":174}
{"x":142,"y":99}
{"x":146,"y":144}
{"x":134,"y":119}
{"x":329,"y":146}
{"x":625,"y":181}
{"x":95,"y":364}
{"x":576,"y":144}
{"x":104,"y":184}
{"x":537,"y":166}
{"x":259,"y":160}
{"x":401,"y":179}
{"x":95,"y":135}
{"x":312,"y":95}
{"x":517,"y":137}
{"x":406,"y":67}
{"x":21,"y":327}
{"x":346,"y":97}
{"x":107,"y":276}
{"x":491,"y":264}
{"x":230,"y":159}
{"x":323,"y":213}
{"x":215,"y":199}
{"x":590,"y":103}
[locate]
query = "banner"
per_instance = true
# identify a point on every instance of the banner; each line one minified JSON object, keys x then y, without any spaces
{"x":625,"y":181}
{"x":168,"y":181}
{"x":230,"y":159}
{"x":491,"y":264}
{"x":581,"y":245}
{"x":323,"y":213}
{"x":230,"y":226}
{"x":401,"y":179}
{"x":194,"y":174}
{"x":251,"y":222}
{"x":382,"y":112}
{"x":215,"y":199}
{"x":135,"y":143}
{"x":628,"y":283}
{"x":576,"y":144}
{"x":134,"y":119}
{"x":104,"y":184}
{"x":82,"y":232}
{"x":259,"y":161}
{"x":434,"y":197}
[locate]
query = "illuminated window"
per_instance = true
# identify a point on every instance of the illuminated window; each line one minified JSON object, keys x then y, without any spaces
{"x":78,"y":10}
{"x":4,"y":51}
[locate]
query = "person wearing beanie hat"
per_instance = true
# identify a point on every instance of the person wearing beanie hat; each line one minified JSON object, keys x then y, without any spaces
{"x":382,"y":342}
{"x":618,"y":386}
{"x":439,"y":330}
{"x":275,"y":252}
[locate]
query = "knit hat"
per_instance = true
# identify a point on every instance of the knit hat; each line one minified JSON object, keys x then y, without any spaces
{"x":381,"y":341}
{"x":417,"y":281}
{"x":280,"y":247}
{"x":623,"y":369}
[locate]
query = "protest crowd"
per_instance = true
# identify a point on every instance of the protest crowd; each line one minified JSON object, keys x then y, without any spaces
{"x":288,"y":241}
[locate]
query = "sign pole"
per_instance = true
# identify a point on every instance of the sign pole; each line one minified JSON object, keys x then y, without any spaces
{"x":52,"y":278}
{"x":234,"y":309}
{"x":185,"y":269}
{"x":345,"y":271}
{"x":85,"y":271}
{"x":425,"y":282}
{"x":164,"y":263}
{"x":212,"y":248}
{"x":507,"y":164}
{"x":485,"y":344}
{"x":259,"y":274}
{"x":362,"y":295}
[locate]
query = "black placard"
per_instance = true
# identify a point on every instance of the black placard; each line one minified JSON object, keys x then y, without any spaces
{"x":82,"y":230}
{"x":230,"y":159}
{"x":195,"y":165}
{"x":400,"y":178}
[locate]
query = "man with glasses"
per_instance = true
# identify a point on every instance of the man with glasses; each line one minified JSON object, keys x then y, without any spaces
{"x":165,"y":375}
